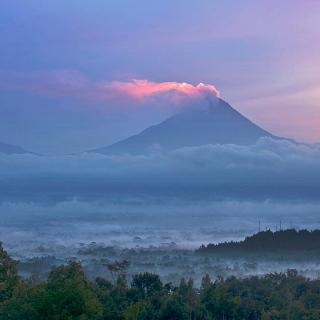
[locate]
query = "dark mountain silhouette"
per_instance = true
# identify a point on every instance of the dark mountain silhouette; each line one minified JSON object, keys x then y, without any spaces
{"x":283,"y":241}
{"x":215,"y":123}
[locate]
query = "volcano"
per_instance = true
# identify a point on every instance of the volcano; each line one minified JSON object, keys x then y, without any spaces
{"x":214,"y":123}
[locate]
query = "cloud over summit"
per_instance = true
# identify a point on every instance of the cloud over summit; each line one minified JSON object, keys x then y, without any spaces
{"x":174,"y":91}
{"x":74,"y":84}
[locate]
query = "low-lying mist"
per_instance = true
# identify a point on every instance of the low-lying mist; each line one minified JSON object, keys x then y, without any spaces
{"x":168,"y":201}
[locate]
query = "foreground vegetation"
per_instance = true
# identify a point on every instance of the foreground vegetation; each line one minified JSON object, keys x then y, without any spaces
{"x":68,"y":294}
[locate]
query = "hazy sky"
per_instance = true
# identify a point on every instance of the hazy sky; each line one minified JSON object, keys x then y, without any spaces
{"x":67,"y":67}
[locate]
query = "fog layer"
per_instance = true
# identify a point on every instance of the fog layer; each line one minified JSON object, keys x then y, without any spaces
{"x":187,"y":196}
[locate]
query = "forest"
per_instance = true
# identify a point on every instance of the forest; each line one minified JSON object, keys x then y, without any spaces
{"x":68,"y":294}
{"x":283,"y":241}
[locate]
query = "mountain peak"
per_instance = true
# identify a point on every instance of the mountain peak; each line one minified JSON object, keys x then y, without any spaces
{"x":213,"y":123}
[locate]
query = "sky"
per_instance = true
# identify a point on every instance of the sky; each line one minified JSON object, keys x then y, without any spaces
{"x":77,"y":75}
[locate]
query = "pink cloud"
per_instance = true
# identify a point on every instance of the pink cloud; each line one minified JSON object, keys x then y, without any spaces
{"x":70,"y":83}
{"x":141,"y":89}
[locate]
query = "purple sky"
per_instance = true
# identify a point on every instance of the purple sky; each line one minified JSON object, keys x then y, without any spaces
{"x":66,"y":67}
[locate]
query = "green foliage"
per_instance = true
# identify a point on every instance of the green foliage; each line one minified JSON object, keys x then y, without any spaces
{"x":173,"y":309}
{"x":69,"y":295}
{"x":147,"y":283}
{"x":8,"y":275}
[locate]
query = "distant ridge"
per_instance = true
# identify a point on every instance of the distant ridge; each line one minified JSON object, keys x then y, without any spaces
{"x":214,"y":123}
{"x":289,"y":241}
{"x":12,"y":149}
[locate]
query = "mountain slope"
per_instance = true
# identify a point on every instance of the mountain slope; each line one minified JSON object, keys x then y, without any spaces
{"x":11,"y":149}
{"x":216,"y":123}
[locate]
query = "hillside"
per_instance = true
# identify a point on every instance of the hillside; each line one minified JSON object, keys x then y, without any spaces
{"x":214,"y":123}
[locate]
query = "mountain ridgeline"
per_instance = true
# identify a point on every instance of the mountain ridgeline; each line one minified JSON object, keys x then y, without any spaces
{"x":214,"y":123}
{"x":265,"y":242}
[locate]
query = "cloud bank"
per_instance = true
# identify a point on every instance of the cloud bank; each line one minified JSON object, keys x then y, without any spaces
{"x":269,"y":169}
{"x":25,"y":226}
